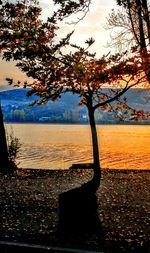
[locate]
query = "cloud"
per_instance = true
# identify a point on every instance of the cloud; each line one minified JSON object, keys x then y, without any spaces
{"x":8,"y":69}
{"x":91,"y":26}
{"x":48,"y":8}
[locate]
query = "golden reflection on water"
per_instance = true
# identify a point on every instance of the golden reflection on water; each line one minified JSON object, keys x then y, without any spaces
{"x":125,"y":147}
{"x":59,"y":146}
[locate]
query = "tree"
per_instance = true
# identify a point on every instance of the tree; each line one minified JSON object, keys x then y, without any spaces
{"x":138,"y":15}
{"x":133,"y":23}
{"x":4,"y":160}
{"x":35,"y":47}
{"x":66,"y":8}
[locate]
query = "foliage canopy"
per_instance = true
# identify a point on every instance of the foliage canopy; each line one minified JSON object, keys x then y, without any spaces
{"x":57,"y":66}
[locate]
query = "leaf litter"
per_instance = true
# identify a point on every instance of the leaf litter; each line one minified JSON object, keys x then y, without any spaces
{"x":29,"y":207}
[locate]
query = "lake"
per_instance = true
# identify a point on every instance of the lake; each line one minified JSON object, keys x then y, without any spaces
{"x":50,"y":146}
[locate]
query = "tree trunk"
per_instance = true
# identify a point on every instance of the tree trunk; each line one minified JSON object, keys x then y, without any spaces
{"x":146,"y":17}
{"x":97,"y":169}
{"x":143,"y":34}
{"x":140,"y":23}
{"x":141,"y":26}
{"x":4,"y":162}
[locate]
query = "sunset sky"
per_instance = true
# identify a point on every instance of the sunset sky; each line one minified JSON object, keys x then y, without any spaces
{"x":92,"y":26}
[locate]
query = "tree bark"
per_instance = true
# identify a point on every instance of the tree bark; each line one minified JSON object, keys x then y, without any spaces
{"x":142,"y":9}
{"x":141,"y":26}
{"x":4,"y":161}
{"x":97,"y":169}
{"x":146,"y":17}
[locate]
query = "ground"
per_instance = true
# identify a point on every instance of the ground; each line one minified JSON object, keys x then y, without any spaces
{"x":29,"y":208}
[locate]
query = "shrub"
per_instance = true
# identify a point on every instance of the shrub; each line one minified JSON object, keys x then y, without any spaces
{"x":14,"y":146}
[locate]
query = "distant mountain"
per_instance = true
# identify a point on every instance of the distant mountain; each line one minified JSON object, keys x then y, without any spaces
{"x":16,"y":107}
{"x":18,"y":96}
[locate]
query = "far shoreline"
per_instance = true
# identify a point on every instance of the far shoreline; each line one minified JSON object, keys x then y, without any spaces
{"x":104,"y":170}
{"x":79,"y":123}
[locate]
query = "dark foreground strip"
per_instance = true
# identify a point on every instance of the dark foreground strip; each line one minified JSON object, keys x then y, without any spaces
{"x":9,"y":247}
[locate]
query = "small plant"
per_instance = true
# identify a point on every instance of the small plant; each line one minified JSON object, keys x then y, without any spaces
{"x":14,"y":146}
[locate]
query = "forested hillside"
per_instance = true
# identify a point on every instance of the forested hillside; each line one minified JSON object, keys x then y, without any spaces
{"x":16,"y":107}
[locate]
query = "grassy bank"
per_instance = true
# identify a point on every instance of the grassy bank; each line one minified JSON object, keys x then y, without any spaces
{"x":29,"y":208}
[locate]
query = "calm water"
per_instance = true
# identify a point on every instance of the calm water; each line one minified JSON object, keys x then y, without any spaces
{"x":51,"y":146}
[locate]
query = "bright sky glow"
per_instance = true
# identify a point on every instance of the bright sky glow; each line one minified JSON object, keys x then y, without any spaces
{"x":92,"y":26}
